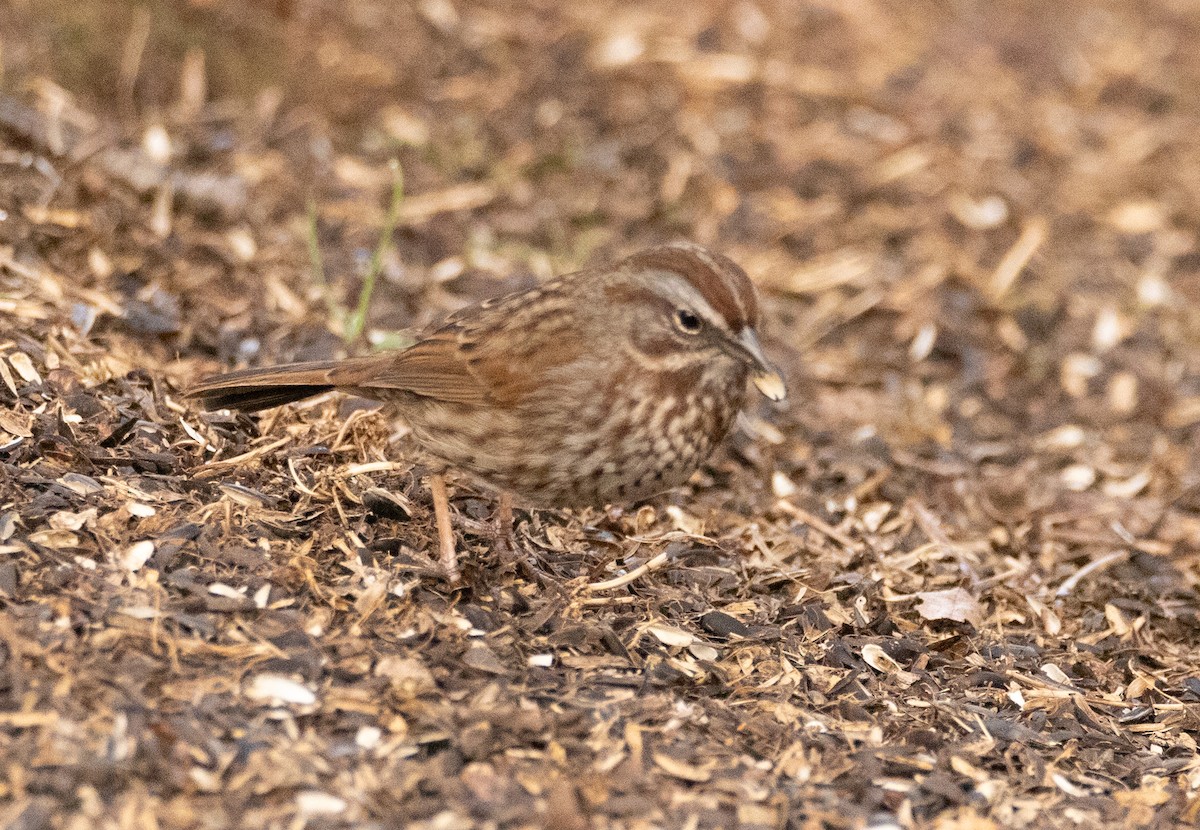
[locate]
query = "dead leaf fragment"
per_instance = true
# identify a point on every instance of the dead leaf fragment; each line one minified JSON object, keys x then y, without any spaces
{"x":277,"y":689}
{"x":696,"y":773}
{"x":482,"y":658}
{"x":407,"y":674}
{"x":24,"y":366}
{"x":957,"y":604}
{"x":317,"y":803}
{"x":16,"y":423}
{"x":875,"y":657}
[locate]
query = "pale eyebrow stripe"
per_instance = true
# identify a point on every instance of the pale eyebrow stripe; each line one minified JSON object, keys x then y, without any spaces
{"x":718,"y":269}
{"x":716,"y":278}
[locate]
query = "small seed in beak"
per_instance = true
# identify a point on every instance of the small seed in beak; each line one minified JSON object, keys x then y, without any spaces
{"x":771,"y":384}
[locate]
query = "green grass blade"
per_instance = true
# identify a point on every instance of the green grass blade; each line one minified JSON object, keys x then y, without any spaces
{"x":357,"y":321}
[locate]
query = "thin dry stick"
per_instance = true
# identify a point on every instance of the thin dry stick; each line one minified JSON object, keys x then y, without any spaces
{"x":214,"y":467}
{"x":621,"y":600}
{"x":930,"y":526}
{"x":1095,"y":566}
{"x":624,"y":579}
{"x":300,"y":485}
{"x":441,"y":514}
{"x":818,"y":524}
{"x":351,"y":419}
{"x":373,"y":467}
{"x":1018,"y":256}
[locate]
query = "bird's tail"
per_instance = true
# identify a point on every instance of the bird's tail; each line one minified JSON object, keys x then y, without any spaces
{"x":252,"y":389}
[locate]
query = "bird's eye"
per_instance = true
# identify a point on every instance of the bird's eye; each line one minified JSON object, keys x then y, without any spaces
{"x":688,"y":322}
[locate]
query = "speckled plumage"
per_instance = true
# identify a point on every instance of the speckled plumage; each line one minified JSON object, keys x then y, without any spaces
{"x":588,"y":390}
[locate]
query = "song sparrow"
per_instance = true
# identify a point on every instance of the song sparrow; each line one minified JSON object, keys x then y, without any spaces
{"x":603,"y":386}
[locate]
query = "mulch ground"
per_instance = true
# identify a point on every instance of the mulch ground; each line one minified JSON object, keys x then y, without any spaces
{"x":952,"y":582}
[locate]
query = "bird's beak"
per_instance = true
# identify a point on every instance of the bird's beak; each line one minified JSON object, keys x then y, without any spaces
{"x":766,"y":377}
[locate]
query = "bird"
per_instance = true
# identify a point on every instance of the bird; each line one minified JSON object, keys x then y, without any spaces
{"x":604,"y":386}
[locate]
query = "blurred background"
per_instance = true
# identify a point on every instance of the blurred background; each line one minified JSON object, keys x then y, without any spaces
{"x":975,"y":221}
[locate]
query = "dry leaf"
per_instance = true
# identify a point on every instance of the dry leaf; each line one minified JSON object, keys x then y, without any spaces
{"x":276,"y":689}
{"x":24,"y":366}
{"x":957,"y":604}
{"x":16,"y":423}
{"x":482,"y":658}
{"x":696,"y":773}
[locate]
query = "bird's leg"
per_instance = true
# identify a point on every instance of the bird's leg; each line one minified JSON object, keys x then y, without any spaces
{"x":445,"y":530}
{"x":506,"y":539}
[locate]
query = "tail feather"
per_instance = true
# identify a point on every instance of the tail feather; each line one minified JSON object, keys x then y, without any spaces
{"x":253,"y":399}
{"x":250,"y":390}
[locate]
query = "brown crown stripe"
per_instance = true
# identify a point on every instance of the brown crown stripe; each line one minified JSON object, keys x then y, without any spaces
{"x":719,"y":280}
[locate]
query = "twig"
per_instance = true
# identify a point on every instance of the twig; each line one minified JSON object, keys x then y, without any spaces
{"x":300,"y":485}
{"x":1018,"y":256}
{"x":351,"y":419}
{"x":1096,"y":565}
{"x":621,"y":600}
{"x":214,"y":467}
{"x":818,"y":524}
{"x":624,"y":579}
{"x":929,"y":524}
{"x":373,"y":467}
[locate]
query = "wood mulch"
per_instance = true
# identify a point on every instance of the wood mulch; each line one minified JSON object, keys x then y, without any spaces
{"x":952,"y":582}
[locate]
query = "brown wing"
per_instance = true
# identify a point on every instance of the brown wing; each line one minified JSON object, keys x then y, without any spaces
{"x":493,"y":353}
{"x":436,"y":367}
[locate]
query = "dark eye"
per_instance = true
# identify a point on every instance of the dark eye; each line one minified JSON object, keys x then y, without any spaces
{"x":687,"y":322}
